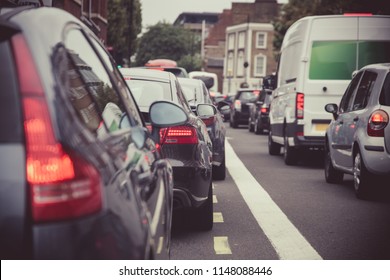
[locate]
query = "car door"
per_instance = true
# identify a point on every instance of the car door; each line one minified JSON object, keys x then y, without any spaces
{"x":339,"y":138}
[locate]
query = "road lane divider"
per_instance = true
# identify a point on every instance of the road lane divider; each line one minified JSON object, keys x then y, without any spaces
{"x":286,"y":239}
{"x":215,"y":200}
{"x":221,"y":245}
{"x":218,"y":217}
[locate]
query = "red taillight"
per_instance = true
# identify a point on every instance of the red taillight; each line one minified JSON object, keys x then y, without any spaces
{"x":357,"y":14}
{"x":264,"y":109}
{"x":209,"y":121}
{"x":62,"y":185}
{"x":377,"y":123}
{"x":300,"y":102}
{"x":178,"y":135}
{"x":237,"y":104}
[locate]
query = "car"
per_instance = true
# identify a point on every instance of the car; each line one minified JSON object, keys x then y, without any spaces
{"x":224,"y":106}
{"x":166,"y":65}
{"x":259,"y":112}
{"x":239,"y":109}
{"x":358,"y":138}
{"x":317,"y":58}
{"x":188,"y":147}
{"x":80,"y":175}
{"x":196,"y":93}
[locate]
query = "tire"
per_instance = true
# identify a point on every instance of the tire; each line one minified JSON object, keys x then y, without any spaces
{"x":219,"y":172}
{"x":203,"y":216}
{"x":250,"y":126}
{"x":273,"y":148}
{"x":332,"y":175}
{"x":290,"y":153}
{"x":361,"y":177}
{"x":258,"y":130}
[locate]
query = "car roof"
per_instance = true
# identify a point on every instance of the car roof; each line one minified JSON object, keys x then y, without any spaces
{"x":190,"y":81}
{"x":381,"y":66}
{"x":147,"y":73}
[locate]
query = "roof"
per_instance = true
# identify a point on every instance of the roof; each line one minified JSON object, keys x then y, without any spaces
{"x":147,"y":73}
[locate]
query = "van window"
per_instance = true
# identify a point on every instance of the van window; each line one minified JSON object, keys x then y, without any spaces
{"x":336,"y":60}
{"x":373,"y":52}
{"x":332,"y":60}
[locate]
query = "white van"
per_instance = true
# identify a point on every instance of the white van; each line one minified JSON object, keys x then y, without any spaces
{"x":318,"y":56}
{"x":202,"y":74}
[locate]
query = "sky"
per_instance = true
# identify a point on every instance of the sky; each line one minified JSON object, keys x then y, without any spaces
{"x":154,"y":11}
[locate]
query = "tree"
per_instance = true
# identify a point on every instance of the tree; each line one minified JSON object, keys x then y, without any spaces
{"x":296,"y":9}
{"x":164,"y":40}
{"x":124,"y":25}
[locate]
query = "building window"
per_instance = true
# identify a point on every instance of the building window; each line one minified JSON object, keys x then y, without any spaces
{"x":260,"y":65}
{"x":230,"y":60}
{"x":240,"y":64}
{"x":261,"y":40}
{"x":241,"y":40}
{"x":231,"y":42}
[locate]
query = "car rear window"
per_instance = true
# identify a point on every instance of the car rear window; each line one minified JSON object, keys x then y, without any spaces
{"x":384,"y":98}
{"x":11,"y":129}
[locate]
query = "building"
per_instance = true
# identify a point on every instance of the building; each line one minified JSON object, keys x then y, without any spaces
{"x":249,"y":52}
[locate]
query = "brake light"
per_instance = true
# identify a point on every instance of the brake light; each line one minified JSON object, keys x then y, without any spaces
{"x":209,"y":121}
{"x":300,"y":102}
{"x":62,"y":185}
{"x":357,"y":14}
{"x":237,"y":105}
{"x":377,"y":123}
{"x":264,"y":109}
{"x":178,"y":135}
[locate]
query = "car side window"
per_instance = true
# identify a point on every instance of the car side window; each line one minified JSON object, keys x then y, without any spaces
{"x":364,"y":90}
{"x":181,"y":97}
{"x":91,"y":93}
{"x":384,"y":98}
{"x":124,"y":90}
{"x":346,"y":101}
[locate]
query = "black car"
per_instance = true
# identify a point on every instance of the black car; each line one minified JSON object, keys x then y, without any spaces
{"x":239,"y":109}
{"x":196,"y":93}
{"x":188,"y":147}
{"x":80,"y":176}
{"x":259,"y":112}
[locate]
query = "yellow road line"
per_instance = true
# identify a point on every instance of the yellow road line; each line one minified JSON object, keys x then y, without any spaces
{"x":218,"y":218}
{"x":221,"y":245}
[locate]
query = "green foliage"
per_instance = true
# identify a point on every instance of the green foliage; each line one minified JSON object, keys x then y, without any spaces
{"x":296,"y":9}
{"x":124,"y":25}
{"x":164,"y":40}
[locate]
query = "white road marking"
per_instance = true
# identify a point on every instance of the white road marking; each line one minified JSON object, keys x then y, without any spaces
{"x":221,"y":245}
{"x":218,"y":218}
{"x":283,"y":235}
{"x":215,"y":199}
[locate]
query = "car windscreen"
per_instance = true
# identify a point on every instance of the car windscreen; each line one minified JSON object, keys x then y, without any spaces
{"x":146,"y":92}
{"x":336,"y":60}
{"x":192,"y":94}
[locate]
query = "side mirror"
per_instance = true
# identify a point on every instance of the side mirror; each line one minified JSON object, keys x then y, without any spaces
{"x":164,"y":114}
{"x":332,"y":108}
{"x":205,"y":110}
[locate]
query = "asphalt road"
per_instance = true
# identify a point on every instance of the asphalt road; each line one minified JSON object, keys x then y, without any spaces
{"x":302,"y":210}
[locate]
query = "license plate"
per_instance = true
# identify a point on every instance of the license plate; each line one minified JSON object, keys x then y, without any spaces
{"x":320,"y":126}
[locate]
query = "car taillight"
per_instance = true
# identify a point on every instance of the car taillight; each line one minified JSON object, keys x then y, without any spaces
{"x":264,"y":109}
{"x":209,"y":121}
{"x":377,"y":123}
{"x":237,"y":104}
{"x":300,"y":102}
{"x":62,"y":184}
{"x":178,"y":135}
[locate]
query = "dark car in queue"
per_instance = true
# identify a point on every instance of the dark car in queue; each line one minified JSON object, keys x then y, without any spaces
{"x":80,"y":175}
{"x":239,"y":109}
{"x":357,"y":141}
{"x":188,"y":147}
{"x":196,"y":93}
{"x":259,"y":112}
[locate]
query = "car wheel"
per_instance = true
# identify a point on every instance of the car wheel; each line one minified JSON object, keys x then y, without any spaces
{"x":290,"y":153}
{"x":219,"y":172}
{"x":273,"y":148}
{"x":250,"y":126}
{"x":258,"y":130}
{"x":361,"y":177}
{"x":203,"y":216}
{"x":332,"y":175}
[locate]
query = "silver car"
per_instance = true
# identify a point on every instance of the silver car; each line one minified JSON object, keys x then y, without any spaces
{"x":358,"y":139}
